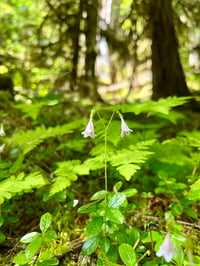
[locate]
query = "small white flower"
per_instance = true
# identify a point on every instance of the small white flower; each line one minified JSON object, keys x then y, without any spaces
{"x":166,"y":249}
{"x":2,"y":148}
{"x":125,"y":130}
{"x":2,"y":132}
{"x":89,"y":131}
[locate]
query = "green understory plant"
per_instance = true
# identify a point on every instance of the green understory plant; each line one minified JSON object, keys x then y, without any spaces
{"x":108,"y":232}
{"x":40,"y":245}
{"x":150,"y":174}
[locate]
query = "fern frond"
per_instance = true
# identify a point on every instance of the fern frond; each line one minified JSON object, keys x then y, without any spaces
{"x":162,"y":107}
{"x":20,"y":184}
{"x":95,"y":163}
{"x":127,"y":156}
{"x":67,"y":172}
{"x":128,"y":170}
{"x":30,"y":139}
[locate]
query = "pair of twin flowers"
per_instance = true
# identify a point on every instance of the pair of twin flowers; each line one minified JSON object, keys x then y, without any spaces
{"x":166,"y":249}
{"x":89,"y":131}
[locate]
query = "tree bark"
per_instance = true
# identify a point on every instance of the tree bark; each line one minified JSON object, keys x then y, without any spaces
{"x":76,"y":47}
{"x":90,"y":79}
{"x":167,"y":71}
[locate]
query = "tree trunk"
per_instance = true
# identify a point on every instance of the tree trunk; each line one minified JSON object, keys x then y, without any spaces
{"x":76,"y":47}
{"x":89,"y":84}
{"x":167,"y":71}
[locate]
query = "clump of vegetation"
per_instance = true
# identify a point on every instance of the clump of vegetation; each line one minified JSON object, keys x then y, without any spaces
{"x":111,"y":195}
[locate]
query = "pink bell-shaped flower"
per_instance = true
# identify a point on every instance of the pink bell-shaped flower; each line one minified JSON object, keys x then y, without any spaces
{"x":2,"y":132}
{"x":125,"y":130}
{"x":166,"y":249}
{"x":89,"y":131}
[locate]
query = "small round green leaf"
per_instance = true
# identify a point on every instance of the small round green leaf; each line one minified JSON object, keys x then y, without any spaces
{"x":99,"y":195}
{"x":117,"y":200}
{"x":128,"y":255}
{"x":105,"y":244}
{"x":21,"y":259}
{"x":51,"y":234}
{"x":115,"y":215}
{"x":90,"y":245}
{"x":33,"y":247}
{"x":30,"y":237}
{"x":95,"y":226}
{"x":45,"y":222}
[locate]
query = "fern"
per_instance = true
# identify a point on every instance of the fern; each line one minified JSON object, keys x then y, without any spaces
{"x":192,"y":138}
{"x":20,"y":184}
{"x":127,"y":161}
{"x":128,"y":170}
{"x":67,"y":172}
{"x":162,"y":107}
{"x":95,"y":163}
{"x":30,"y":139}
{"x":33,"y":109}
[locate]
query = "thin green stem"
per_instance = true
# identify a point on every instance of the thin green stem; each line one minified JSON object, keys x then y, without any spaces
{"x":105,"y":171}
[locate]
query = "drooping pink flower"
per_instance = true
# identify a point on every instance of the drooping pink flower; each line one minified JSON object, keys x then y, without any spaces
{"x":2,"y":132}
{"x":89,"y":131}
{"x":2,"y":148}
{"x":125,"y":130}
{"x":166,"y":249}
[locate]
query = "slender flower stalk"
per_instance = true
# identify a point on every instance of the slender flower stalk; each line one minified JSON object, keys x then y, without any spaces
{"x":2,"y":132}
{"x":89,"y":131}
{"x":166,"y":249}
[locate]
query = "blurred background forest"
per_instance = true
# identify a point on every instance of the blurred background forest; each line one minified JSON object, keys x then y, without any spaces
{"x":103,"y":200}
{"x":111,"y":50}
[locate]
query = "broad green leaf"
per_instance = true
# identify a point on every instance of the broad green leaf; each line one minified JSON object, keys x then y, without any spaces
{"x":117,"y":200}
{"x":112,"y":254}
{"x":90,"y":245}
{"x":117,"y":186}
{"x":95,"y":226}
{"x":30,"y":237}
{"x":45,"y":222}
{"x":99,"y":195}
{"x":104,"y":244}
{"x":114,"y":215}
{"x":50,"y":234}
{"x":21,"y":259}
{"x":45,"y":255}
{"x":33,"y":247}
{"x":134,"y":235}
{"x":127,"y":254}
{"x":130,"y":192}
{"x":88,"y":208}
{"x":194,"y":192}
